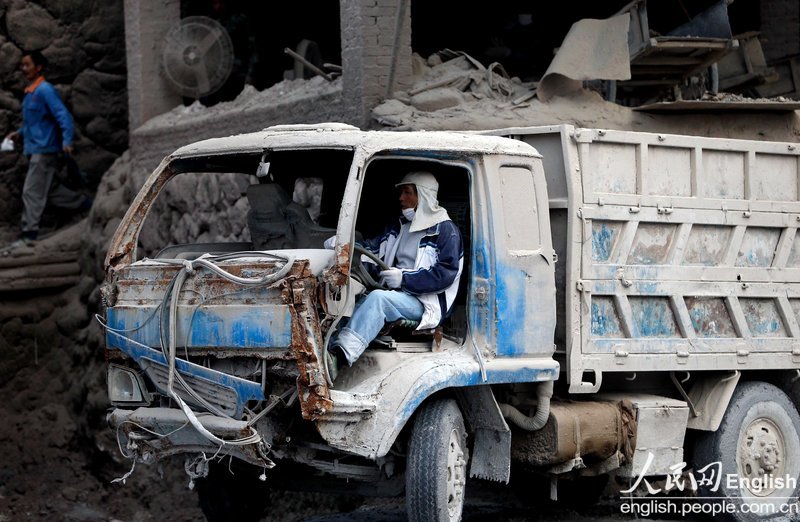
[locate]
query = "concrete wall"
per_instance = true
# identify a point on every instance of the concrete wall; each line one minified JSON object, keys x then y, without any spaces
{"x":376,"y":53}
{"x":146,"y":24}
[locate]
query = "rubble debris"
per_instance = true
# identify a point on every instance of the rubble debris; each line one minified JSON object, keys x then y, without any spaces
{"x":248,"y":100}
{"x":449,"y":78}
{"x":452,"y":80}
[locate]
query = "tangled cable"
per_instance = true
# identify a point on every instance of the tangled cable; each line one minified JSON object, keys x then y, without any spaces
{"x":168,"y":316}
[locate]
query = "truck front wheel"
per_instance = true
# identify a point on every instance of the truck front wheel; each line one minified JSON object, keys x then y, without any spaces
{"x":436,"y":471}
{"x":232,"y":491}
{"x":756,"y":452}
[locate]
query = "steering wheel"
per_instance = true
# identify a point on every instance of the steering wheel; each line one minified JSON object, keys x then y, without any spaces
{"x":358,"y":271}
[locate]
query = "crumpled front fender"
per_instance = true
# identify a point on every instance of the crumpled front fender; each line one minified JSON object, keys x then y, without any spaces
{"x":366,"y":419}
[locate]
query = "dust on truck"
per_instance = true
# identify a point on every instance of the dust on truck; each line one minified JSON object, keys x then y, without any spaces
{"x":628,"y":307}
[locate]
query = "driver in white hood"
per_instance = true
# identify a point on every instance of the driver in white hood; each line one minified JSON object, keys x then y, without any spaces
{"x":426,"y":256}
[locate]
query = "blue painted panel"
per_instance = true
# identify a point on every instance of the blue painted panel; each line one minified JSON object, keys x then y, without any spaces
{"x":525,"y":326}
{"x":213,"y":326}
{"x":245,"y":390}
{"x":605,"y":319}
{"x":511,"y":312}
{"x":710,"y":317}
{"x":763,"y":317}
{"x":603,"y":237}
{"x":653,"y":317}
{"x":758,"y":247}
{"x":707,"y":245}
{"x":480,"y":313}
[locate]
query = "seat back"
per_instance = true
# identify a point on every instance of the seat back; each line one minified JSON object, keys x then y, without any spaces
{"x":277,"y":222}
{"x":266,"y":218}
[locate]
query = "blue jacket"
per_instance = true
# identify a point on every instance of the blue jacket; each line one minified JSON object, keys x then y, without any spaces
{"x":437,"y":270}
{"x":46,"y":123}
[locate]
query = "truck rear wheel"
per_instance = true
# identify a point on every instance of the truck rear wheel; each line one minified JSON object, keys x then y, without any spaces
{"x":436,"y":471}
{"x":758,"y":444}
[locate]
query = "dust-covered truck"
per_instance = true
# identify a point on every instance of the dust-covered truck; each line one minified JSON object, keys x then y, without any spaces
{"x":628,"y":308}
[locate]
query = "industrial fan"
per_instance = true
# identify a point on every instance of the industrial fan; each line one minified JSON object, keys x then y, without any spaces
{"x":197,"y":56}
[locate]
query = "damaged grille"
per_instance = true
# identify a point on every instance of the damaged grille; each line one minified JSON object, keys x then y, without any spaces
{"x":224,"y":398}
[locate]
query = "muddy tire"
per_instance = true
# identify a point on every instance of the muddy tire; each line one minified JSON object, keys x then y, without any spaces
{"x":239,"y":495}
{"x":759,"y":436}
{"x":436,"y":471}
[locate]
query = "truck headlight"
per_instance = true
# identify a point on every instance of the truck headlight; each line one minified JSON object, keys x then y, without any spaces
{"x":125,"y":387}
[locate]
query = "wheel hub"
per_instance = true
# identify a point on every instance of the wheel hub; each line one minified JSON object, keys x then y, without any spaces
{"x":761,"y":453}
{"x":456,"y":476}
{"x":191,"y":55}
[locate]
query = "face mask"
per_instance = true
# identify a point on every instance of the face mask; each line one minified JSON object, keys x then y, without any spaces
{"x":409,"y":213}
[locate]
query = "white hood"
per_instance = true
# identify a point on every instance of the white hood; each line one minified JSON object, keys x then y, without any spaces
{"x":428,"y":212}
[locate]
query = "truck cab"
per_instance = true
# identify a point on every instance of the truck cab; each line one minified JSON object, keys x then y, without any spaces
{"x":219,"y":347}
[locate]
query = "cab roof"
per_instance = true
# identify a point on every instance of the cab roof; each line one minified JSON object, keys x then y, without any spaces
{"x":339,"y":135}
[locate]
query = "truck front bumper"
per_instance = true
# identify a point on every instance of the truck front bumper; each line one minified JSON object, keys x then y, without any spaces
{"x":150,"y":434}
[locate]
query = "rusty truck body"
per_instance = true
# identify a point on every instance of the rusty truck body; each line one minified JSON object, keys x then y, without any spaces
{"x":628,"y":308}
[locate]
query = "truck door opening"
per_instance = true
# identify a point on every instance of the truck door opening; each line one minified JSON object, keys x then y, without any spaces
{"x":378,"y":206}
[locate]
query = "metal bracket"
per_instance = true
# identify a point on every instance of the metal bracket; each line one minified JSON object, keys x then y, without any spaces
{"x":742,"y":355}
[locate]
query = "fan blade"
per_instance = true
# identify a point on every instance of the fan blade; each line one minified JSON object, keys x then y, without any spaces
{"x":210,"y":39}
{"x":201,"y":75}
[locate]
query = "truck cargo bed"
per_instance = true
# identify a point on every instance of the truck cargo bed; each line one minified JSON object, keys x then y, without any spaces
{"x":676,"y":253}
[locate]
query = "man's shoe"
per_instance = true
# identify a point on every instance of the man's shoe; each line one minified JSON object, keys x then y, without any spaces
{"x":19,"y":243}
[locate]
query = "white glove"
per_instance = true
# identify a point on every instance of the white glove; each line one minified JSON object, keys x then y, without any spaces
{"x":391,"y":278}
{"x":329,"y":243}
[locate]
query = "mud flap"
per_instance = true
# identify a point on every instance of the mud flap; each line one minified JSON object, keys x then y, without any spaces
{"x":491,"y":454}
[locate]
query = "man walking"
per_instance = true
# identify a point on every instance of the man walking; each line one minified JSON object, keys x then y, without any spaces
{"x":46,"y":131}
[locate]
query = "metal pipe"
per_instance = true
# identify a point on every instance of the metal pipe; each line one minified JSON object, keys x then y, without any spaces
{"x":308,"y":64}
{"x":543,"y":394}
{"x":398,"y":29}
{"x":683,"y":393}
